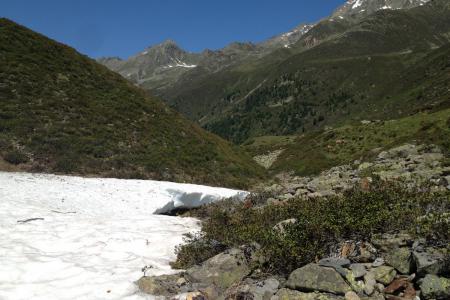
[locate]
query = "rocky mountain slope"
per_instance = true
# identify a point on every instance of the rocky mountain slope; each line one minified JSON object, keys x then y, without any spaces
{"x":340,"y":71}
{"x":62,"y":112}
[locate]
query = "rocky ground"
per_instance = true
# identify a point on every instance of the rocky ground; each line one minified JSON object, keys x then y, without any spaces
{"x":413,"y":164}
{"x":391,"y":266}
{"x":394,"y":266}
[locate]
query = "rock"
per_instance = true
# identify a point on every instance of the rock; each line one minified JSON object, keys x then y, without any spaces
{"x":196,"y":296}
{"x":164,"y":285}
{"x":386,"y":242}
{"x":287,"y":294}
{"x":221,"y":270}
{"x":378,"y":262}
{"x":400,"y":259}
{"x":313,"y":277}
{"x":357,"y":286}
{"x":255,"y":290}
{"x":336,"y":263}
{"x":429,"y":261}
{"x":351,"y":296}
{"x":384,"y":274}
{"x":283,"y":225}
{"x":434,"y":287}
{"x":369,"y":283}
{"x":358,"y":270}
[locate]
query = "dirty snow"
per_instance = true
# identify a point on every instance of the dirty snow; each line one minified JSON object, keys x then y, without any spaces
{"x":78,"y":238}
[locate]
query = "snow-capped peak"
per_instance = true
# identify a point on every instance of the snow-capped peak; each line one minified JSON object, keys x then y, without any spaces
{"x":366,"y":7}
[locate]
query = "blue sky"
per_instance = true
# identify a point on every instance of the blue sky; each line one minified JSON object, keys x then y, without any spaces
{"x":123,"y":28}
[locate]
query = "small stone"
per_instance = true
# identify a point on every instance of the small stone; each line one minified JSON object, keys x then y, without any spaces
{"x":351,"y":296}
{"x":378,"y":262}
{"x":369,"y":283}
{"x":384,"y":274}
{"x":181,"y":281}
{"x":358,"y":270}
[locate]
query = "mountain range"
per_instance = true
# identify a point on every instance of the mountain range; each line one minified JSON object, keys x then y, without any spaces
{"x":159,"y":67}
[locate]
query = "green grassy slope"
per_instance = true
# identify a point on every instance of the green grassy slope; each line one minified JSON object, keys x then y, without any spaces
{"x":62,"y":112}
{"x":317,"y":151}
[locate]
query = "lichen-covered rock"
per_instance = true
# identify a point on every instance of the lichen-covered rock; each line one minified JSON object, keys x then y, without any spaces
{"x":384,"y":274}
{"x":313,"y":277}
{"x":164,"y":285}
{"x":221,"y":270}
{"x":434,"y":287}
{"x":400,"y":259}
{"x":287,"y":294}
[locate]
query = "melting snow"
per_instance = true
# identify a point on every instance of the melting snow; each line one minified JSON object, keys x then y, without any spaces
{"x":89,"y":238}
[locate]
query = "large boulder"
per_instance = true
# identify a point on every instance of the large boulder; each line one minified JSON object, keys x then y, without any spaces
{"x":434,"y":287}
{"x":221,"y":270}
{"x":313,"y":277}
{"x":287,"y":294}
{"x":430,"y":261}
{"x":400,"y":259}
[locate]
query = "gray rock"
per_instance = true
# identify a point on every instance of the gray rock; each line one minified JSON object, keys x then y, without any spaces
{"x":369,"y":283}
{"x":384,"y":274}
{"x":400,"y":259}
{"x":164,"y":285}
{"x":358,"y":270}
{"x":255,"y":290}
{"x":313,"y":277}
{"x":287,"y":294}
{"x":338,"y":264}
{"x":434,"y":287}
{"x":386,"y":242}
{"x":429,"y":261}
{"x":221,"y":270}
{"x":378,"y":262}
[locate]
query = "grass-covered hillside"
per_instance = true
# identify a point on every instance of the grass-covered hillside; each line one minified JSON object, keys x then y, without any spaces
{"x":387,"y":65}
{"x":62,"y":112}
{"x":311,"y":153}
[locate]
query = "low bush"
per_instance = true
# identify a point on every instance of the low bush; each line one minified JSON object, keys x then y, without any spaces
{"x":321,"y":223}
{"x":15,"y":157}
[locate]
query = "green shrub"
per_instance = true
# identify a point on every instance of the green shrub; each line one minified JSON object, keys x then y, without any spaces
{"x":321,"y":223}
{"x":15,"y":157}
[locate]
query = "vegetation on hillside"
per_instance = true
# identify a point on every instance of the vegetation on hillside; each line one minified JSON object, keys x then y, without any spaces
{"x":319,"y":225}
{"x":317,"y":151}
{"x":388,"y":65}
{"x":62,"y":112}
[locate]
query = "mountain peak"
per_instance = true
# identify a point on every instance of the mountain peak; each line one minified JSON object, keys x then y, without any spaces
{"x":366,"y":7}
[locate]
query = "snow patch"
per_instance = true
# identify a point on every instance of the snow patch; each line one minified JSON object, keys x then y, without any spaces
{"x":89,"y":238}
